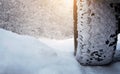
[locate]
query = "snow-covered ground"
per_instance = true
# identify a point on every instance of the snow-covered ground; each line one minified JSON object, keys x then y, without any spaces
{"x":27,"y":55}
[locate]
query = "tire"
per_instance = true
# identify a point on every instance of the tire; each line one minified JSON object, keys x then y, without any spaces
{"x":97,"y":32}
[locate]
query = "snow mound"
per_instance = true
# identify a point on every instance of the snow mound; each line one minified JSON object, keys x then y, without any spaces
{"x":27,"y":55}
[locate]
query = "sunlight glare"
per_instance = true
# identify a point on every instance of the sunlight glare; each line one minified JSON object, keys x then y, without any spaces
{"x":68,"y":2}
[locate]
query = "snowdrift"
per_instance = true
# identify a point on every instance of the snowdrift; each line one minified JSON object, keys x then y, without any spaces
{"x":27,"y":55}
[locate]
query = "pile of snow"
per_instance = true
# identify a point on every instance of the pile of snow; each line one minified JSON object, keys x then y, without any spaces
{"x":27,"y":55}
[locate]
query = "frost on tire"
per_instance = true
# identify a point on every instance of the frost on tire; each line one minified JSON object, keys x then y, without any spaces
{"x":97,"y":32}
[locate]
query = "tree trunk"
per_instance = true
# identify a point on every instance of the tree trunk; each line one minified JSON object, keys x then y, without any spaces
{"x":97,"y":32}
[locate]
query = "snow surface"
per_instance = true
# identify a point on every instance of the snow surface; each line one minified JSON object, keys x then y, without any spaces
{"x":27,"y":55}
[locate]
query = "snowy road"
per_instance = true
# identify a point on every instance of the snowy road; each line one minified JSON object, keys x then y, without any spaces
{"x":27,"y":55}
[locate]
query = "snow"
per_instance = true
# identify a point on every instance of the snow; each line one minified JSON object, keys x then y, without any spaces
{"x":35,"y":17}
{"x":27,"y":55}
{"x":118,"y":43}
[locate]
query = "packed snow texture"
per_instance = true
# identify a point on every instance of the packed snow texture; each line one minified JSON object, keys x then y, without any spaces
{"x":27,"y":55}
{"x":39,"y":18}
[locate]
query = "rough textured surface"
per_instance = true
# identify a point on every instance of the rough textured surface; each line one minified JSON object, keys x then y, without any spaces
{"x":97,"y":32}
{"x":39,"y":18}
{"x":116,"y":7}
